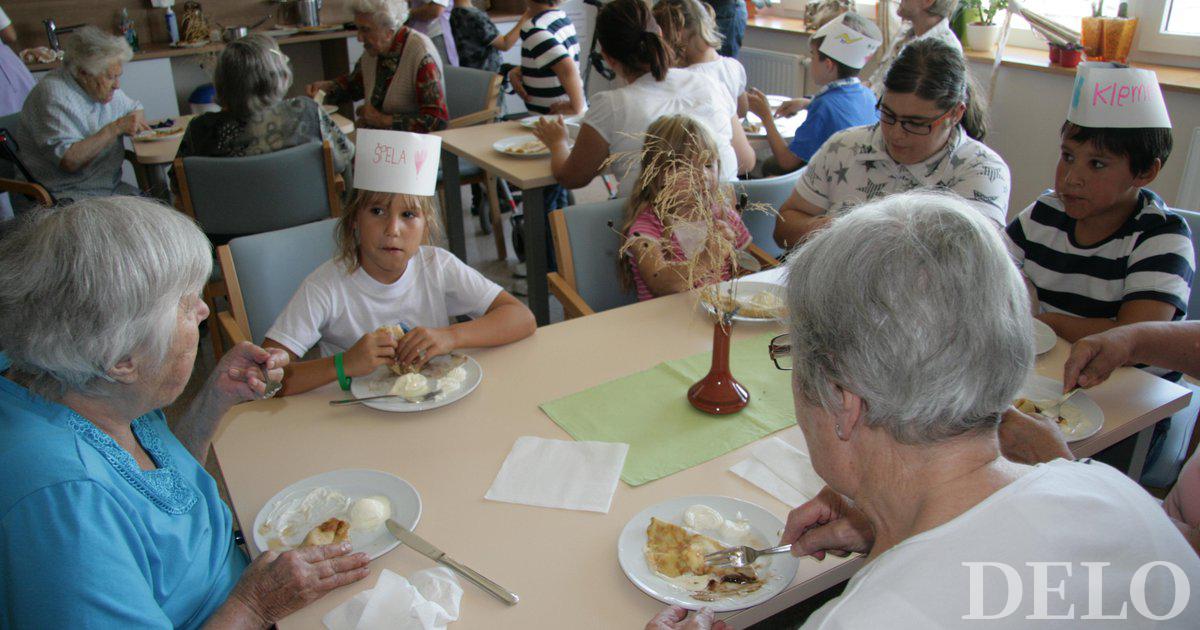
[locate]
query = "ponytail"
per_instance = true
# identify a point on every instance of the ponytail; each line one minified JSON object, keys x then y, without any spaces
{"x":974,"y":120}
{"x":656,"y":54}
{"x":934,"y":71}
{"x":628,"y":33}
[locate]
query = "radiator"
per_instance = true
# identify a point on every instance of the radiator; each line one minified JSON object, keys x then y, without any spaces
{"x":1189,"y":188}
{"x":772,"y":72}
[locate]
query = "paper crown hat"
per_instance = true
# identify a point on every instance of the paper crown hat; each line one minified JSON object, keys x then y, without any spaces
{"x":1115,"y":96}
{"x":844,"y":44}
{"x":397,"y":162}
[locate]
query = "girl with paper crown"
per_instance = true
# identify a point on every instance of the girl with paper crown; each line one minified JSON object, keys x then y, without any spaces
{"x":1100,"y":249}
{"x":389,"y":295}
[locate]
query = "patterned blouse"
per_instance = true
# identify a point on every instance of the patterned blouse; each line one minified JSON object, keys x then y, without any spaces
{"x":431,"y":100}
{"x":286,"y":124}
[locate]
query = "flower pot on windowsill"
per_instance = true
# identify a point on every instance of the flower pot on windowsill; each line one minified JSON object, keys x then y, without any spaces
{"x":1065,"y":56}
{"x":982,"y":37}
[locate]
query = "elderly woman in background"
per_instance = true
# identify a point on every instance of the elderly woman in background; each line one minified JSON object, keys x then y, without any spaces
{"x":928,"y":19}
{"x":399,"y":75}
{"x":251,"y":79}
{"x":107,"y":516}
{"x":73,"y":121}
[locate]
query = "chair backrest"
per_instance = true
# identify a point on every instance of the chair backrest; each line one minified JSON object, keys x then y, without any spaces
{"x":9,"y":123}
{"x":258,"y":193}
{"x":470,"y":91}
{"x":1193,"y":220}
{"x":590,"y":260}
{"x":269,"y":267}
{"x":770,"y":191}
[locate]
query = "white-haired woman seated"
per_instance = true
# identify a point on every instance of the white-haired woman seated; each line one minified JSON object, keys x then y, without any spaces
{"x":107,"y":516}
{"x":399,"y":74}
{"x":72,"y":124}
{"x":251,"y":78}
{"x":909,"y":335}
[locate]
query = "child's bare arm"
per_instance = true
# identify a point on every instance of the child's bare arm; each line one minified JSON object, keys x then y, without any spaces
{"x":510,"y":39}
{"x":505,"y":321}
{"x":1074,"y":328}
{"x":372,"y":350}
{"x":567,"y":72}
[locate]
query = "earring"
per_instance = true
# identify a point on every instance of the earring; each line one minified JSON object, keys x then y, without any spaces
{"x":837,"y":428}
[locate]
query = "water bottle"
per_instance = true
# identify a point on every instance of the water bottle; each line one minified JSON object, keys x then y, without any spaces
{"x":172,"y":26}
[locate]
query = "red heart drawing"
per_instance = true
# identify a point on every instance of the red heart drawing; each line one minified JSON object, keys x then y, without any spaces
{"x":419,"y":159}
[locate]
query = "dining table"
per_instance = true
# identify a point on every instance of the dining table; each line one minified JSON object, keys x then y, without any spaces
{"x":562,"y":563}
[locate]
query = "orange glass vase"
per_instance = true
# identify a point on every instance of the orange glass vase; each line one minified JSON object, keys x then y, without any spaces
{"x":719,"y":393}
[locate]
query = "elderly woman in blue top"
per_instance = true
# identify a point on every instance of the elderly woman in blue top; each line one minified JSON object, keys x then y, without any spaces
{"x":73,"y":121}
{"x":107,"y":517}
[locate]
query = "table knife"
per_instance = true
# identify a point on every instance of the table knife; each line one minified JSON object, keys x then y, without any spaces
{"x":420,"y":545}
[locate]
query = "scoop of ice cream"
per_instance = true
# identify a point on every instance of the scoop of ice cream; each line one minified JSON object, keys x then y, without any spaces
{"x":735,"y":530}
{"x":411,"y":386}
{"x":702,"y":517}
{"x":369,"y":513}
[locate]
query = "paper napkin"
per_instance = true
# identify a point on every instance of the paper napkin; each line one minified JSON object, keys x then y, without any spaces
{"x":782,"y":470}
{"x":427,"y":601}
{"x":560,"y":474}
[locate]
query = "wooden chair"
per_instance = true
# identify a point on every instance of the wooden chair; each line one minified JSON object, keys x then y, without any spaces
{"x":263,"y":271}
{"x":473,"y":98}
{"x":238,"y":196}
{"x":34,"y":191}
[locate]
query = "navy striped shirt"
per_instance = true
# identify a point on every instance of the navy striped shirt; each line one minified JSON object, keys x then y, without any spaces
{"x":1148,"y":258}
{"x":549,"y":37}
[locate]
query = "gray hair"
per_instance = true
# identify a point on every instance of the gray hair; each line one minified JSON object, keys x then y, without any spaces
{"x":912,"y":303}
{"x":252,"y":74}
{"x":88,"y":284}
{"x":91,"y":51}
{"x":944,"y":8}
{"x":386,"y":13}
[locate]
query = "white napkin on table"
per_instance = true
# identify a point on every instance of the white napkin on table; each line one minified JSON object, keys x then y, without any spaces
{"x":560,"y":474}
{"x":782,"y":470}
{"x":427,"y":601}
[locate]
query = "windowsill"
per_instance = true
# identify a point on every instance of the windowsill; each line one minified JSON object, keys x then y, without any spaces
{"x":1171,"y":78}
{"x":776,"y":22}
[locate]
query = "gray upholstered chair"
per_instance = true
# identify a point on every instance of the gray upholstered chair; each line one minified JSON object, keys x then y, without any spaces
{"x":263,"y":271}
{"x":772,"y":192}
{"x":473,"y":98}
{"x":586,"y":246}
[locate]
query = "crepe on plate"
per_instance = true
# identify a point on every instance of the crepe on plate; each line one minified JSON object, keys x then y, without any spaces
{"x":334,"y":530}
{"x":1025,"y":405}
{"x":674,"y":552}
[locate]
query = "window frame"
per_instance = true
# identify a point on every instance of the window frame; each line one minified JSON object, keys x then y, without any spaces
{"x":1152,"y":17}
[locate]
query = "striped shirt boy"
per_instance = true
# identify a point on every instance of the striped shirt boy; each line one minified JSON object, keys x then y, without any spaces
{"x":548,"y":38}
{"x":1149,"y":258}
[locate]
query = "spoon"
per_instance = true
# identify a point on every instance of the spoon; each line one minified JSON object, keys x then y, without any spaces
{"x":418,"y":399}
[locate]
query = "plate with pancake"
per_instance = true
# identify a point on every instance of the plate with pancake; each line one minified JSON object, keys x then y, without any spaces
{"x":522,"y":146}
{"x":165,"y":129}
{"x":661,"y":551}
{"x":1044,"y":337}
{"x":1079,"y":418}
{"x":456,"y":374}
{"x":757,"y":302}
{"x":339,"y":505}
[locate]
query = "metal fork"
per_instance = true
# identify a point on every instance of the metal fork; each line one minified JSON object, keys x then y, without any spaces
{"x":270,"y":387}
{"x":738,"y":557}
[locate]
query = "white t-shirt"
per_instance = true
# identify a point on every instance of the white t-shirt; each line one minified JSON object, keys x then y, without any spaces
{"x":1061,"y":512}
{"x":940,"y":31}
{"x":622,"y":115}
{"x":727,"y":71}
{"x":337,"y":309}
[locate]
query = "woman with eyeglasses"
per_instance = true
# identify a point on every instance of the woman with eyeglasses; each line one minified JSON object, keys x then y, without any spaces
{"x":931,"y":123}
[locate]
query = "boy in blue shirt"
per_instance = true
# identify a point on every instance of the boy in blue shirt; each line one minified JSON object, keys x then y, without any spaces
{"x":840,"y":49}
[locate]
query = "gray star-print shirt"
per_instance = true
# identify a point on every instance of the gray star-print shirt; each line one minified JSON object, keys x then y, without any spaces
{"x":853,"y":167}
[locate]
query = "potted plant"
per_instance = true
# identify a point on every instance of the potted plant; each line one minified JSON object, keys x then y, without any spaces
{"x":983,"y":33}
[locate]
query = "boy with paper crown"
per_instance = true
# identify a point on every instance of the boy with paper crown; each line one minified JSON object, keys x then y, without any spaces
{"x":389,"y":295}
{"x":840,"y":50}
{"x":1101,"y":250}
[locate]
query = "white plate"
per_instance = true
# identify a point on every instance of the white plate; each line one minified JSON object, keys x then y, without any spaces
{"x":355,"y":483}
{"x":529,"y":122}
{"x":1040,"y":388}
{"x":282,"y":31}
{"x":152,"y":136}
{"x":380,"y":382}
{"x":504,"y":144}
{"x":787,"y":126}
{"x":1043,"y":337}
{"x":779,"y":570}
{"x":745,"y":289}
{"x":775,"y":100}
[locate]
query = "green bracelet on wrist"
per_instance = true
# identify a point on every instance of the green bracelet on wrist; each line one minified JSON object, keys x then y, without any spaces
{"x":343,"y":380}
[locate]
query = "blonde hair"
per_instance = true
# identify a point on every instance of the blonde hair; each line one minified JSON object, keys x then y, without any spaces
{"x":347,"y":236}
{"x":675,"y":152}
{"x":681,"y":20}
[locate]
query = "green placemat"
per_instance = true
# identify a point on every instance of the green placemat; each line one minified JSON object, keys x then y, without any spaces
{"x":650,"y":412}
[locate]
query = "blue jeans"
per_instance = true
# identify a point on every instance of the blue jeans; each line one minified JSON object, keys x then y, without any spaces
{"x":731,"y":21}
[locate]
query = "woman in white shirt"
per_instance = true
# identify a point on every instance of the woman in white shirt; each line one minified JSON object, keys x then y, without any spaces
{"x":690,"y":29}
{"x":929,"y":19}
{"x":616,"y":120}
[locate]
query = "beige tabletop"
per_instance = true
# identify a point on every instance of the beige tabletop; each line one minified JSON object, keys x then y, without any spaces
{"x":164,"y":151}
{"x":475,"y":143}
{"x":452,"y":454}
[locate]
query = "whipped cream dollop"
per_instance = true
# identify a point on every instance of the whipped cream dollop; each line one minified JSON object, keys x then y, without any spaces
{"x":703,"y":517}
{"x":411,"y":386}
{"x":369,"y":513}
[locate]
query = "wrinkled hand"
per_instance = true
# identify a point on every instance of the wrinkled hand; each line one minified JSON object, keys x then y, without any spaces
{"x":132,"y":123}
{"x":373,"y":118}
{"x":551,"y":131}
{"x":514,"y":79}
{"x":369,"y":352}
{"x":758,"y":103}
{"x":1031,"y":439}
{"x":311,"y":89}
{"x":828,"y":524}
{"x":422,"y":344}
{"x":276,"y":585}
{"x":239,"y":375}
{"x":791,"y":107}
{"x":676,"y":618}
{"x":1094,"y":357}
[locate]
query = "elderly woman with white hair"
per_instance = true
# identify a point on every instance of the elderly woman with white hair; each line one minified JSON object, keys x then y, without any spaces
{"x":928,"y":19}
{"x":252,"y":77}
{"x":108,"y":518}
{"x":399,"y":75}
{"x":72,"y":124}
